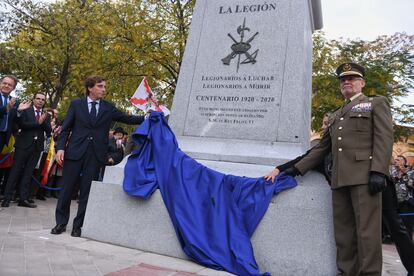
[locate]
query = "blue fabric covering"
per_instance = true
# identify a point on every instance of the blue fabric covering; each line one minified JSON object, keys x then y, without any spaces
{"x":214,"y":215}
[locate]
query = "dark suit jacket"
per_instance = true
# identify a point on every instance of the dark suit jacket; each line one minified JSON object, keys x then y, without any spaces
{"x":11,"y":119}
{"x":31,"y":132}
{"x":117,"y":154}
{"x":78,"y":130}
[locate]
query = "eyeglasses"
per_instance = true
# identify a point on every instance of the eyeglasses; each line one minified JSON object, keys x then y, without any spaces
{"x":349,"y":78}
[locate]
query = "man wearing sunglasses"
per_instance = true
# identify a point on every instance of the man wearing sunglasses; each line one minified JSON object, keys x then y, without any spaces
{"x":360,"y":138}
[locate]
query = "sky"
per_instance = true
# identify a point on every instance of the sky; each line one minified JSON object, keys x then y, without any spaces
{"x":368,"y":19}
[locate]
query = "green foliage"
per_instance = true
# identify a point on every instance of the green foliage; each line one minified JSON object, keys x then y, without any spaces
{"x":53,"y":47}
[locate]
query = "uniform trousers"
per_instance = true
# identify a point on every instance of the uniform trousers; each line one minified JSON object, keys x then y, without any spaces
{"x":80,"y":172}
{"x":357,"y":230}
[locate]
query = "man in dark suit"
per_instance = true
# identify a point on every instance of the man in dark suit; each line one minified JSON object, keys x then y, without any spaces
{"x":360,"y":138}
{"x":87,"y":122}
{"x":8,"y":108}
{"x":34,"y":123}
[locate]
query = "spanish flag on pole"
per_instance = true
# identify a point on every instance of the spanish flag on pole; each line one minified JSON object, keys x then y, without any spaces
{"x":48,"y":163}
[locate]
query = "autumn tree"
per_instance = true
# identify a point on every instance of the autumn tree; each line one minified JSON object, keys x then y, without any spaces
{"x":53,"y":47}
{"x":46,"y":43}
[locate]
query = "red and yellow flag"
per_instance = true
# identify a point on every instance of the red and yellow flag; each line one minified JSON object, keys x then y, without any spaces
{"x":48,"y":162}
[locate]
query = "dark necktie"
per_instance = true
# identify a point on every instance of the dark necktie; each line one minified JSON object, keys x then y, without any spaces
{"x":5,"y":100}
{"x":37,"y":115}
{"x":92,"y":114}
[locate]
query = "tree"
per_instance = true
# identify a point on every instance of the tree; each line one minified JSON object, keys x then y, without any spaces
{"x":53,"y":47}
{"x":46,"y":44}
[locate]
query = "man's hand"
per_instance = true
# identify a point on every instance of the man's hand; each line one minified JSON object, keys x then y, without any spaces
{"x":56,"y":131}
{"x":272,"y":175}
{"x":60,"y":155}
{"x":292,"y":171}
{"x":10,"y":104}
{"x":377,"y":183}
{"x":23,"y":105}
{"x":43,"y":117}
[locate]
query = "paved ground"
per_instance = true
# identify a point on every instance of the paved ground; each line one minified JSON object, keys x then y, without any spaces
{"x":28,"y":248}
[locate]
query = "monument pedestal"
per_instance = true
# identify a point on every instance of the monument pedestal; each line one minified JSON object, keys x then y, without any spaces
{"x":294,"y":237}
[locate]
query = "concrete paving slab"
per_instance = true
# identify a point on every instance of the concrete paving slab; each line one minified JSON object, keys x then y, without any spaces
{"x":34,"y":251}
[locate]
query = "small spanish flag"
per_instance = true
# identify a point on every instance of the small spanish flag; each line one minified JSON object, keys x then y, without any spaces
{"x":48,"y":163}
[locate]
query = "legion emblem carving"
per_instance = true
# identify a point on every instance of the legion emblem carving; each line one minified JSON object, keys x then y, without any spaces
{"x":241,"y":48}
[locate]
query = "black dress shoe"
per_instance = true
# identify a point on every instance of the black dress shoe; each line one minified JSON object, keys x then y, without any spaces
{"x":30,"y":201}
{"x":40,"y":197}
{"x":5,"y":203}
{"x":76,"y":232}
{"x":26,"y":203}
{"x":58,"y":229}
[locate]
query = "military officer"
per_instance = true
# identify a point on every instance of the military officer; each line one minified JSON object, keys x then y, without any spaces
{"x":360,"y":138}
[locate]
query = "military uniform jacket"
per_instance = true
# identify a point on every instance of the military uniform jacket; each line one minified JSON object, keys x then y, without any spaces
{"x":360,"y":137}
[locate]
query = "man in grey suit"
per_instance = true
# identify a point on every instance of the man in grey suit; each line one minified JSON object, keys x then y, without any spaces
{"x":82,"y":148}
{"x":360,"y":138}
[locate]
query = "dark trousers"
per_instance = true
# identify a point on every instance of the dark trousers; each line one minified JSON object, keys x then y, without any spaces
{"x":399,"y":233}
{"x":24,"y":162}
{"x":3,"y":136}
{"x":4,"y":175}
{"x":75,"y":172}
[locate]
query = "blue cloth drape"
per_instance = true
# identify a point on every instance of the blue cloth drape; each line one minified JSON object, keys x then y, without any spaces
{"x":214,"y":215}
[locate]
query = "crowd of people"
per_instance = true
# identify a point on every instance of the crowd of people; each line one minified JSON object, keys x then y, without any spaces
{"x":353,"y":153}
{"x":403,"y":178}
{"x":28,"y":132}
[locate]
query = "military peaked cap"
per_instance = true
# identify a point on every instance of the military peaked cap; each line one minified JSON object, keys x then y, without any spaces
{"x":350,"y":69}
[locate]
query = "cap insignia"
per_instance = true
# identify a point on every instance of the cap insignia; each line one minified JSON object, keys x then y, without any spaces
{"x":347,"y":67}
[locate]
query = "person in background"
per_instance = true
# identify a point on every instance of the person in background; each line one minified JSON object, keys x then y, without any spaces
{"x":8,"y":108}
{"x":402,"y":177}
{"x":34,"y":125}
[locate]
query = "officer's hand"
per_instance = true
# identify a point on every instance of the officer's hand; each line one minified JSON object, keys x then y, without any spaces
{"x":272,"y":175}
{"x":292,"y":171}
{"x":377,"y":183}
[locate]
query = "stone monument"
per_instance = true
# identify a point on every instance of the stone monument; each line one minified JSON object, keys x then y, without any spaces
{"x":242,"y":105}
{"x":244,"y":89}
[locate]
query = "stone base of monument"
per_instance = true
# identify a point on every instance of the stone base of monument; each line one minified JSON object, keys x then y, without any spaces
{"x":294,"y":238}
